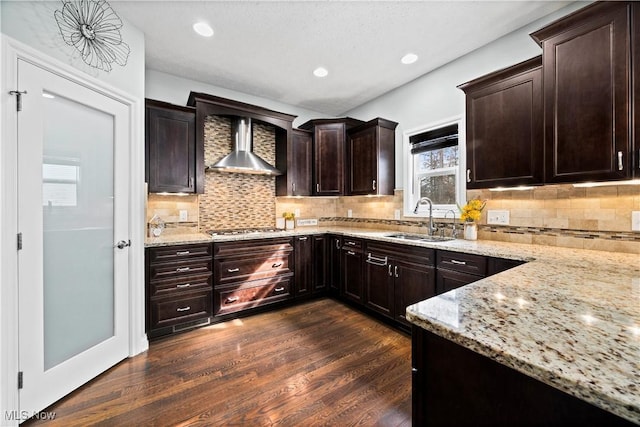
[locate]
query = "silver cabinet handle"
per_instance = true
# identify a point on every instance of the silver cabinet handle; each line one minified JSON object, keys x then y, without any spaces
{"x":351,"y":252}
{"x":278,"y":289}
{"x":187,"y":308}
{"x":302,"y":238}
{"x":468,"y":175}
{"x":184,"y":285}
{"x":455,"y":261}
{"x":317,"y":188}
{"x":181,"y":253}
{"x":276,"y":265}
{"x":337,"y":243}
{"x":233,"y":270}
{"x":232,"y":299}
{"x":182,"y":269}
{"x":350,"y":243}
{"x":374,"y":184}
{"x":293,"y":187}
{"x":390,"y":270}
{"x":395,"y":271}
{"x":123,"y":244}
{"x":191,"y":183}
{"x":376,"y":261}
{"x":620,"y":165}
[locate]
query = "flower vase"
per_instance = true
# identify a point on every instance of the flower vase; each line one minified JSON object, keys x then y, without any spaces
{"x":290,"y":224}
{"x":470,"y":231}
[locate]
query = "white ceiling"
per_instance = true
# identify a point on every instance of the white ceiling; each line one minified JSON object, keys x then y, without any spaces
{"x":270,"y":48}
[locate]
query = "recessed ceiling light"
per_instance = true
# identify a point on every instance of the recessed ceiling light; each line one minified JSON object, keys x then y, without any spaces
{"x":320,"y":72}
{"x":409,"y":58}
{"x":203,"y":29}
{"x":47,"y":95}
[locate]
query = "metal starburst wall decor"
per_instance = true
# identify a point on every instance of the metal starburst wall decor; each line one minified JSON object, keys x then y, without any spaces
{"x":93,"y":28}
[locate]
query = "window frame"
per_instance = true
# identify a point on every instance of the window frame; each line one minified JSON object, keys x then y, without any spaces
{"x":409,"y":196}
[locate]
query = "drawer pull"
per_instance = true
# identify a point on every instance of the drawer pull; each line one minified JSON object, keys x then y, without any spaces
{"x":351,"y":252}
{"x":187,"y":308}
{"x":181,"y":253}
{"x":349,"y":242}
{"x":276,"y":265}
{"x":455,"y":261}
{"x":279,"y":289}
{"x":232,"y":299}
{"x":182,"y":269}
{"x":184,"y":285}
{"x":233,"y":270}
{"x":302,"y":239}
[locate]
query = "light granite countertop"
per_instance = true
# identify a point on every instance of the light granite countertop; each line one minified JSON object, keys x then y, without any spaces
{"x":568,"y":317}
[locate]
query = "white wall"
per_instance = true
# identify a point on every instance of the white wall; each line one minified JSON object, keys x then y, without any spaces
{"x":434,"y":97}
{"x":174,"y":89}
{"x":33,"y":23}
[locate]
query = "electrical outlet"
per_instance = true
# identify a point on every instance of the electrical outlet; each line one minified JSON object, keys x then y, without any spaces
{"x":635,"y":221}
{"x":349,"y":213}
{"x":498,"y":217}
{"x":396,"y":214}
{"x":184,"y":215}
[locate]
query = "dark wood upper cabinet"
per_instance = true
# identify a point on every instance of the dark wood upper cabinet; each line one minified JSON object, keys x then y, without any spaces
{"x":171,"y":152}
{"x":505,"y":127}
{"x":329,"y":152}
{"x":297,"y":155}
{"x":587,"y":93}
{"x":371,"y":158}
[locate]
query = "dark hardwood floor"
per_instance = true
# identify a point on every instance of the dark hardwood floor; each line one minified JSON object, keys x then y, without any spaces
{"x":317,"y":363}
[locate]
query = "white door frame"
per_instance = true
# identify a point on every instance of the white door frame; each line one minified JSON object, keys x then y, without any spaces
{"x":10,"y":51}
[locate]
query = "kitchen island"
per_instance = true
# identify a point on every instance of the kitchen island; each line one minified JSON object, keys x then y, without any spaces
{"x":568,"y":318}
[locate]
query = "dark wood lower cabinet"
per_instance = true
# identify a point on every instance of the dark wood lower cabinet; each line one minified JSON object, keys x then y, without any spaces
{"x":379,"y":283}
{"x":416,"y":282}
{"x":352,"y":279}
{"x":320,"y":264}
{"x":304,"y":262}
{"x":335,"y":264}
{"x":455,"y":386}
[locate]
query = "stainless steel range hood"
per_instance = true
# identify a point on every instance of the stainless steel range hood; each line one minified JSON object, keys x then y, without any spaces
{"x":242,"y":159}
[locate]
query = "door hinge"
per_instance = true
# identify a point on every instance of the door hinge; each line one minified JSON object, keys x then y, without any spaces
{"x":19,"y":241}
{"x":18,"y":94}
{"x":20,"y":380}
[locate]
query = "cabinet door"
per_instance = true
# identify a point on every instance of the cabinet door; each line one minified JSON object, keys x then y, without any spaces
{"x":447,"y":280}
{"x":329,"y":152}
{"x":505,"y":128}
{"x":320,"y":270}
{"x":303,"y":265}
{"x":587,"y":95}
{"x":414,"y":283}
{"x":300,"y":165}
{"x":352,"y":281}
{"x":171,"y":150}
{"x":378,"y":279}
{"x":363,"y":162}
{"x":335,"y":269}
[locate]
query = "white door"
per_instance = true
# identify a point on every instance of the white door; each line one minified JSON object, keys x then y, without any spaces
{"x":72,"y":212}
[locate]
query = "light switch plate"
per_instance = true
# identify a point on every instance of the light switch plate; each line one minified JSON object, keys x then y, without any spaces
{"x":396,"y":214}
{"x":349,"y":213}
{"x":635,"y":221}
{"x":184,"y":216}
{"x":497,"y":217}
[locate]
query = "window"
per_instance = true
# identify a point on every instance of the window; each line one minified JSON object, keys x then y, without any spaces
{"x":435,"y":169}
{"x":60,"y":182}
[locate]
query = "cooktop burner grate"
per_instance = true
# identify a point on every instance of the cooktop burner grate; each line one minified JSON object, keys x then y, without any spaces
{"x":235,"y":231}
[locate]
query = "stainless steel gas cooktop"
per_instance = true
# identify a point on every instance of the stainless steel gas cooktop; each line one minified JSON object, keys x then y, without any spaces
{"x":236,"y":231}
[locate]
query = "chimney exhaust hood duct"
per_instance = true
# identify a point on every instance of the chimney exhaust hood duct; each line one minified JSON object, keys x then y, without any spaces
{"x":242,"y":159}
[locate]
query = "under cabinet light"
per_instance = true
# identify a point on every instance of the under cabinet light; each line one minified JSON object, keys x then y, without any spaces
{"x":520,"y":188}
{"x":604,"y":184}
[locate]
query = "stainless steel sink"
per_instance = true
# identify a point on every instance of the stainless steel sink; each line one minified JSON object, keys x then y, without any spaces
{"x":419,"y":237}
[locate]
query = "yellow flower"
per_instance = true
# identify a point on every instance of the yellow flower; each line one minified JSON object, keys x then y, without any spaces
{"x":288,"y":216}
{"x":472,"y":211}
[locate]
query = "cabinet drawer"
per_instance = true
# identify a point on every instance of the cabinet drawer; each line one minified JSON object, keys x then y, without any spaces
{"x":413,"y":254}
{"x":171,"y":270}
{"x":465,"y":263}
{"x":167,"y":312}
{"x":237,"y":297}
{"x":180,"y":285}
{"x":244,"y":269}
{"x":177,"y":253}
{"x":348,"y":242}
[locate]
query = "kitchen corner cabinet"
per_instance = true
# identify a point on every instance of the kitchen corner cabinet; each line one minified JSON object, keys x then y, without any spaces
{"x":505,"y":127}
{"x":329,"y":151}
{"x":588,"y":80}
{"x":297,"y":156}
{"x":171,"y":153}
{"x":371,"y":158}
{"x":178,"y":287}
{"x":310,"y":265}
{"x":397,"y":276}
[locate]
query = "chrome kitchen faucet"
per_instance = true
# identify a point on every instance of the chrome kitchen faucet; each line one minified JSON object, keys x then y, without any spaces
{"x":422,"y":201}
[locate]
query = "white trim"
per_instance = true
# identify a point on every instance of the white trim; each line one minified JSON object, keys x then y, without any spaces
{"x":408,"y":163}
{"x":12,"y":50}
